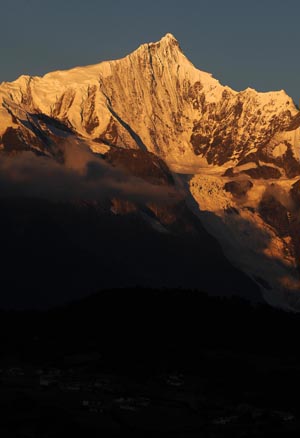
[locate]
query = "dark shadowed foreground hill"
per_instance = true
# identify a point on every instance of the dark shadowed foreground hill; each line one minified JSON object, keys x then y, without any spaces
{"x":154,"y":363}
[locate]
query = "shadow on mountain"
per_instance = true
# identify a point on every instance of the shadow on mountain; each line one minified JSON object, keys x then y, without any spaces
{"x":257,"y":255}
{"x":54,"y":252}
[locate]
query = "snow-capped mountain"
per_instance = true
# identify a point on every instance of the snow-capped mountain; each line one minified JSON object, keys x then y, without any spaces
{"x":234,"y":154}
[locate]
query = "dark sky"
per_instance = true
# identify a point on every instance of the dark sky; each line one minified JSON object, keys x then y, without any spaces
{"x":243,"y":43}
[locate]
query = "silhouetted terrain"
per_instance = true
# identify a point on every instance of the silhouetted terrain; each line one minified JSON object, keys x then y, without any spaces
{"x":154,"y":363}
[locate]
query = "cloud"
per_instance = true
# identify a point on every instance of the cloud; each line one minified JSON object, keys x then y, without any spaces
{"x":83,"y":176}
{"x":280,"y":194}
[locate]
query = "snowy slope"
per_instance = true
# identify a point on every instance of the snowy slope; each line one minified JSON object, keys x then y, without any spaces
{"x":156,"y":99}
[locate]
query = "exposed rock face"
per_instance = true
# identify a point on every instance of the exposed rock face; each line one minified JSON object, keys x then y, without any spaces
{"x":275,"y":214}
{"x":295,"y":193}
{"x":154,"y":115}
{"x":265,"y":172}
{"x":238,"y":188}
{"x":141,"y":164}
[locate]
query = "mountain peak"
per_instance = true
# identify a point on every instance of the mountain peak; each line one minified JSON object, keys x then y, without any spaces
{"x":155,"y":100}
{"x":167,"y":40}
{"x":169,"y":37}
{"x":168,"y":47}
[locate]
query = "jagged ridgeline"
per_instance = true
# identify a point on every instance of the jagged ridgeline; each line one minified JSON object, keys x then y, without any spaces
{"x":221,"y":162}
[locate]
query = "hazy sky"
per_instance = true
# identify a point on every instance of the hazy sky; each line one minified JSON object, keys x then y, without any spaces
{"x":243,"y":43}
